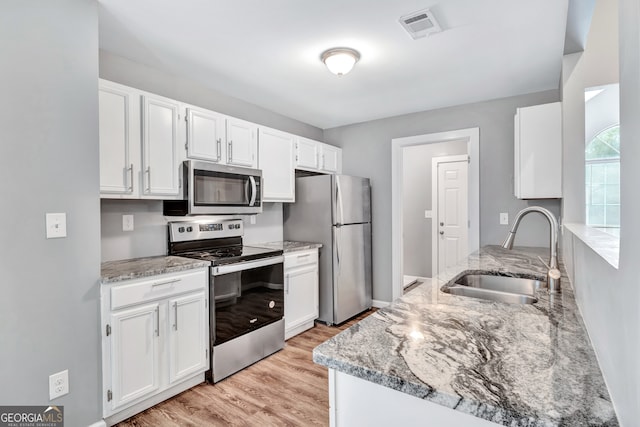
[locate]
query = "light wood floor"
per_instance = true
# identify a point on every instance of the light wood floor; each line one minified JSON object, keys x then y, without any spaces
{"x":285,"y":389}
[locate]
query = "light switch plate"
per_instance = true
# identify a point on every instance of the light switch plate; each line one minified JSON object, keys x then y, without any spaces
{"x":504,"y":218}
{"x":127,"y":222}
{"x":428,"y":214}
{"x":252,"y":219}
{"x":56,"y":225}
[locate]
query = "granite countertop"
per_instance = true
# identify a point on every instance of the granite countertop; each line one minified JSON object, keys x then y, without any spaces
{"x":515,"y":365}
{"x":289,"y":246}
{"x":118,"y":271}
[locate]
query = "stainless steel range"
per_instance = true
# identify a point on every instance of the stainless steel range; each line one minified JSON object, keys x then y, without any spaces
{"x":246,"y":290}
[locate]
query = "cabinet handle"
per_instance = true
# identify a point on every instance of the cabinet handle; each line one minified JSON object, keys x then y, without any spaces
{"x":322,"y":161}
{"x":131,"y":178}
{"x":149,"y":179}
{"x":157,"y":322}
{"x":175,"y":314}
{"x":168,"y":282}
{"x":230,"y":149}
{"x":304,"y":256}
{"x":219,"y":148}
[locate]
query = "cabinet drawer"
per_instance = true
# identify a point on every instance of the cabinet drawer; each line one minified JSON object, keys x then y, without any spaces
{"x":300,"y":258}
{"x":163,"y":286}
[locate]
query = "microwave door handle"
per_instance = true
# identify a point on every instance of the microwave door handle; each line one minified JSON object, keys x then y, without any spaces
{"x":254,"y":189}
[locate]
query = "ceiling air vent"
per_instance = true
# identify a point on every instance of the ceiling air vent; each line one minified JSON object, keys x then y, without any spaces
{"x":420,"y":24}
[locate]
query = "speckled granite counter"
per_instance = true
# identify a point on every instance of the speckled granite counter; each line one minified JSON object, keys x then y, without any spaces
{"x":289,"y":246}
{"x":117,"y":271}
{"x":515,"y":365}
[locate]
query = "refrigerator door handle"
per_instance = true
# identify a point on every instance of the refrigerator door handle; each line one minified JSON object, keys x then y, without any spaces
{"x":339,"y":208}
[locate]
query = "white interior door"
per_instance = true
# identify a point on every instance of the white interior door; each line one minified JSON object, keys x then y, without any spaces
{"x":450,"y":199}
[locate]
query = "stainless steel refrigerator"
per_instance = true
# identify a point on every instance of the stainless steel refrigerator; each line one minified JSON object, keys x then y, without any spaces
{"x":335,"y":210}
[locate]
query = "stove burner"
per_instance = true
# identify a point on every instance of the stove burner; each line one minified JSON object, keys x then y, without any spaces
{"x":226,"y":252}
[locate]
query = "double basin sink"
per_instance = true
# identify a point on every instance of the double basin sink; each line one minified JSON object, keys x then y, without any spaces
{"x":512,"y":290}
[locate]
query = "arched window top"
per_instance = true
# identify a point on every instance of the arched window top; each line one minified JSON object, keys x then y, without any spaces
{"x":605,"y":145}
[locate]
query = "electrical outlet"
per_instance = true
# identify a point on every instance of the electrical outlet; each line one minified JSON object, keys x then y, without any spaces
{"x":504,"y":218}
{"x":58,"y":384}
{"x":56,"y":225}
{"x":252,"y":219}
{"x":428,"y":214}
{"x":127,"y":222}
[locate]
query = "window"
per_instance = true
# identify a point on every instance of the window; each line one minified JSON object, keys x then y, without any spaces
{"x":602,"y":179}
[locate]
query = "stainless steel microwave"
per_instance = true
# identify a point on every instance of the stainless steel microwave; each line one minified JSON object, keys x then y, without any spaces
{"x":212,"y":189}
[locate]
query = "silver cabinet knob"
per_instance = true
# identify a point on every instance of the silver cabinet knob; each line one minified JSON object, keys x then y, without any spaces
{"x":441,"y":224}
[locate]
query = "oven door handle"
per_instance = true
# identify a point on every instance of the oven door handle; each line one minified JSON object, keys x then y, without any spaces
{"x":232,"y":268}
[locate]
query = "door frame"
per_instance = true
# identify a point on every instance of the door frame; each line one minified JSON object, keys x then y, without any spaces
{"x":472,"y":136}
{"x":435,"y":161}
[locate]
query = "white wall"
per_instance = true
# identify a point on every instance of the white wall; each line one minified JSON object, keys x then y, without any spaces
{"x":609,"y":298}
{"x":367,"y":152}
{"x":49,"y":310}
{"x":416,"y":184}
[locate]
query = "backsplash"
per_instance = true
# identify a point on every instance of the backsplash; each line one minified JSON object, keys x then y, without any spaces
{"x":149,"y":236}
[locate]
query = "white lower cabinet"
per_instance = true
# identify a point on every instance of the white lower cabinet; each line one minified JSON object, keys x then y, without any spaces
{"x":300,"y":291}
{"x":155,"y":341}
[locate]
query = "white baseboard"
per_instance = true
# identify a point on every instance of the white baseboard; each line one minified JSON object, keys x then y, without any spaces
{"x":100,"y":423}
{"x":379,"y":304}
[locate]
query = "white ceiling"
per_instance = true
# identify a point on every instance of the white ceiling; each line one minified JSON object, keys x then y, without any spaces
{"x":268,"y":52}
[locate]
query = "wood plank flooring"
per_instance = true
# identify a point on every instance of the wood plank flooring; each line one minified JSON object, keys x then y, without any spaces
{"x":285,"y":389}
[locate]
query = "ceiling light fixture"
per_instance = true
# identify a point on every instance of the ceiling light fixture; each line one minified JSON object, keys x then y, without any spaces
{"x":340,"y":60}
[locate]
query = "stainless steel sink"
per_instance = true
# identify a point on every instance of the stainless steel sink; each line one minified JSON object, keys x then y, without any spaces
{"x":512,"y":290}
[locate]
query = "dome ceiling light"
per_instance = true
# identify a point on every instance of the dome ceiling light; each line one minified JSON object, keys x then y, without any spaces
{"x":340,"y":60}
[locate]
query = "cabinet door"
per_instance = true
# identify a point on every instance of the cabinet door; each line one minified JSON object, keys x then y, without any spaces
{"x":188,"y":348}
{"x":275,"y":159}
{"x":307,"y":153}
{"x":301,"y":296}
{"x":538,"y":167}
{"x":118,"y":138}
{"x":160,"y":118}
{"x":242,"y":143}
{"x":330,"y":158}
{"x":135,"y":353}
{"x":205,"y":135}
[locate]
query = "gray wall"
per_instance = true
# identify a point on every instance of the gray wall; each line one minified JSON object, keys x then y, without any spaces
{"x":49,"y":310}
{"x":367,"y":152}
{"x":416,"y":184}
{"x":149,"y":235}
{"x":609,"y":298}
{"x":127,"y":72}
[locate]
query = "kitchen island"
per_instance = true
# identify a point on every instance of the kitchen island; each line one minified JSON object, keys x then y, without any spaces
{"x":432,"y":358}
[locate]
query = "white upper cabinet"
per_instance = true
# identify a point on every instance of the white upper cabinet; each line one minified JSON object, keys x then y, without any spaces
{"x":330,"y":159}
{"x":276,"y":160}
{"x":307,"y":153}
{"x":317,"y":156}
{"x":206,"y":135}
{"x":138,"y":143}
{"x":538,"y":152}
{"x":242,"y":143}
{"x":119,"y":138}
{"x":160,"y":163}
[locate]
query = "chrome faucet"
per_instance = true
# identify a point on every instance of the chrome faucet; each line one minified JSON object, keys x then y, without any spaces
{"x":553,"y":273}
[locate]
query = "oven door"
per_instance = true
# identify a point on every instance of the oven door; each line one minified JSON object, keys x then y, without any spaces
{"x":246,"y":296}
{"x":221,"y":189}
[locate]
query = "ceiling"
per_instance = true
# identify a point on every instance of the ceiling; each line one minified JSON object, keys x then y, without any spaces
{"x":268,"y":52}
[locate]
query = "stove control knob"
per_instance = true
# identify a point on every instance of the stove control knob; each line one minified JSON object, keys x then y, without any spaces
{"x":237,"y":226}
{"x":189,"y":229}
{"x":181,"y":230}
{"x":230,"y":226}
